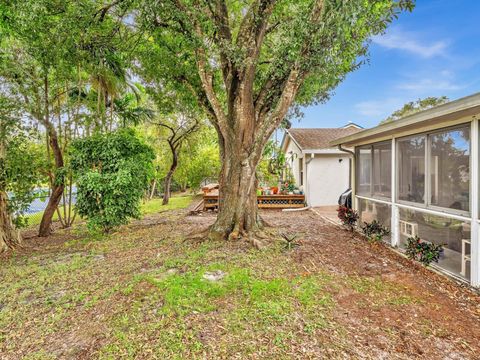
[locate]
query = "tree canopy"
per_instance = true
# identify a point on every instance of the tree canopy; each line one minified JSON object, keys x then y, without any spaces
{"x":413,"y":107}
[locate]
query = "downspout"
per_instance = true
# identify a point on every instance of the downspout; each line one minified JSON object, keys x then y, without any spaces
{"x":351,"y":164}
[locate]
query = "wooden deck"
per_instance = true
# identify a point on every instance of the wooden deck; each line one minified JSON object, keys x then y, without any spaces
{"x":264,"y":201}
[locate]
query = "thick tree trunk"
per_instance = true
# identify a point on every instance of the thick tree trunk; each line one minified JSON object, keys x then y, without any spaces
{"x":57,"y":186}
{"x":168,"y":178}
{"x":166,"y":187}
{"x":238,"y":214}
{"x":9,"y":236}
{"x":46,"y":223}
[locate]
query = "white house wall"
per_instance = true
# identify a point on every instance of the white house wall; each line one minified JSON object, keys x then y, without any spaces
{"x":293,"y":155}
{"x":327,"y":178}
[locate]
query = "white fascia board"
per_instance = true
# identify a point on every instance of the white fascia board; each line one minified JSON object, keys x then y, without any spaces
{"x":293,"y":139}
{"x":325,"y":151}
{"x":284,"y":143}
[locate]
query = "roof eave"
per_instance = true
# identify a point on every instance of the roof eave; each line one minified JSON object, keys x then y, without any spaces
{"x":292,"y":138}
{"x":469,"y":105}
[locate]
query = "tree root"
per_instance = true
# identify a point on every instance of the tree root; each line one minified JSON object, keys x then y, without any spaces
{"x":198,"y":236}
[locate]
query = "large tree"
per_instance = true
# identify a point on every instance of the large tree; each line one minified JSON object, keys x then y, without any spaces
{"x":178,"y":127}
{"x":52,"y":52}
{"x":248,"y":63}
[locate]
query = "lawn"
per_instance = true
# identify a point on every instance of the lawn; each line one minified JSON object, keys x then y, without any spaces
{"x":151,"y":291}
{"x":176,"y":202}
{"x":147,"y":207}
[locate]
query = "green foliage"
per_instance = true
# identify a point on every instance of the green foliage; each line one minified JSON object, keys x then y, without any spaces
{"x":319,"y":41}
{"x":20,"y":162}
{"x":423,"y":251}
{"x":199,"y":159}
{"x":375,"y":231}
{"x":112,"y":173}
{"x":413,"y":107}
{"x":273,"y":164}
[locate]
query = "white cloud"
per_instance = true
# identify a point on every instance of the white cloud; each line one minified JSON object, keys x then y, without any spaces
{"x":378,"y":108}
{"x":433,"y":81}
{"x":430,"y":85}
{"x":408,"y":41}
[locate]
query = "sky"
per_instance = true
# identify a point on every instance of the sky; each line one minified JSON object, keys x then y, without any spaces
{"x":432,"y":51}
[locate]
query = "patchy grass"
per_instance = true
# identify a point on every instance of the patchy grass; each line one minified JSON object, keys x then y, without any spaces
{"x":147,"y":207}
{"x":141,"y":293}
{"x":176,"y":202}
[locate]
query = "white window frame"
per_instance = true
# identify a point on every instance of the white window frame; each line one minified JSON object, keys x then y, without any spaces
{"x":427,"y":186}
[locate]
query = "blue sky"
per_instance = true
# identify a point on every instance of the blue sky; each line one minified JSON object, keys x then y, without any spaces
{"x":433,"y":51}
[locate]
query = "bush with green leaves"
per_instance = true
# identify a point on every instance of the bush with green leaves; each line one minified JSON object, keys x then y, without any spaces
{"x":423,"y":251}
{"x":112,"y":172}
{"x":374,"y":231}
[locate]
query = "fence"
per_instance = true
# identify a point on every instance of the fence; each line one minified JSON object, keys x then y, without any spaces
{"x":33,"y":215}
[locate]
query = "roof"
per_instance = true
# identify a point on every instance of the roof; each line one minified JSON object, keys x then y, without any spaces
{"x":457,"y":109}
{"x":351,"y":123}
{"x":315,"y":139}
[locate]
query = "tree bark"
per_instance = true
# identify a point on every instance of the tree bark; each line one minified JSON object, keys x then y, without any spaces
{"x":152,"y":192}
{"x":238,"y":212}
{"x":57,"y":186}
{"x":168,"y":178}
{"x":9,"y":236}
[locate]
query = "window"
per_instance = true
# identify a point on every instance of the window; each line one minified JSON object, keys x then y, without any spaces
{"x":450,"y":169}
{"x":369,"y":210}
{"x":453,"y":235}
{"x":382,"y":169}
{"x":364,"y":169}
{"x":374,"y":162}
{"x":411,"y":169}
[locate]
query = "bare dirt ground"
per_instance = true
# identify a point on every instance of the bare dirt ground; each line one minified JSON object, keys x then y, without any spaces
{"x":141,"y":294}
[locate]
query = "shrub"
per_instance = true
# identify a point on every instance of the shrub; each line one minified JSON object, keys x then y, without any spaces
{"x":347,"y":216}
{"x":112,"y":171}
{"x":374,"y":231}
{"x":423,"y":251}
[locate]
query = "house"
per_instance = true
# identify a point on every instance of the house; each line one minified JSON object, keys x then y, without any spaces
{"x":320,"y":170}
{"x":420,"y":177}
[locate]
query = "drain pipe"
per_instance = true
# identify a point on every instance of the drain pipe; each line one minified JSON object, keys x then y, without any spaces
{"x":351,"y":164}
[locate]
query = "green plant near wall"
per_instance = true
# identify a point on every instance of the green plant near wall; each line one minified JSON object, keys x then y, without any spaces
{"x":423,"y":251}
{"x":112,"y":172}
{"x":348,"y":216}
{"x":374,"y":231}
